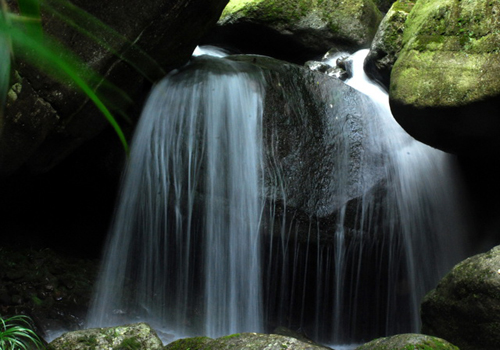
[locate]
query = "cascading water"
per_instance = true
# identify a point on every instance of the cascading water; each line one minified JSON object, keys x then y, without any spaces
{"x":206,"y":194}
{"x":185,"y":242}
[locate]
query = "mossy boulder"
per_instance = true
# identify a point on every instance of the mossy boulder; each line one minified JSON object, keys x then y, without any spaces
{"x":195,"y":343}
{"x":245,"y":341}
{"x":137,"y":336}
{"x":465,"y":306}
{"x":445,"y":84}
{"x":408,"y":342}
{"x":387,"y":43}
{"x":297,"y":30}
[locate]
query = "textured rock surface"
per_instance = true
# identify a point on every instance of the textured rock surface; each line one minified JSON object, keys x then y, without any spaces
{"x":407,"y":342}
{"x":247,"y":341}
{"x":445,"y":85}
{"x":135,"y":336}
{"x":297,"y":30}
{"x":45,"y":120}
{"x":465,"y":306}
{"x":387,"y":43}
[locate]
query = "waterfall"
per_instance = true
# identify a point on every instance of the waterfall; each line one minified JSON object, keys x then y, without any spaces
{"x":184,"y":247}
{"x":205,"y":239}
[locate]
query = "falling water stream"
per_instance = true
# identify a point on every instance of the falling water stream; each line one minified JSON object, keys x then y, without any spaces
{"x":185,"y":251}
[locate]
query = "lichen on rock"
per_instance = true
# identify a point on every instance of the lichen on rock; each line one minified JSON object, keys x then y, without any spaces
{"x":408,"y":342}
{"x":128,"y":337}
{"x":447,"y":75}
{"x":313,"y":25}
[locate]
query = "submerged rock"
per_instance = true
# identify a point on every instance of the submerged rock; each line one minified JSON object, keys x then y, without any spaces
{"x":244,"y":341}
{"x":387,"y":43}
{"x":297,"y":30}
{"x":465,"y":306}
{"x":445,"y":84}
{"x":137,"y":336}
{"x":408,"y":341}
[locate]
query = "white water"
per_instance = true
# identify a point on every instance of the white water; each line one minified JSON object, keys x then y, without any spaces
{"x":184,"y":249}
{"x":185,"y":236}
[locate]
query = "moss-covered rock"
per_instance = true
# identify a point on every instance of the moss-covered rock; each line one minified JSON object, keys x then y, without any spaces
{"x":445,"y":84}
{"x":137,"y":336}
{"x":387,"y":43}
{"x":195,"y":343}
{"x":465,"y":306}
{"x":246,"y":341}
{"x":313,"y":26}
{"x":408,"y":342}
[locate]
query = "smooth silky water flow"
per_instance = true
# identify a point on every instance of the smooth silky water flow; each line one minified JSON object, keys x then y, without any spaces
{"x":184,"y":252}
{"x":184,"y":246}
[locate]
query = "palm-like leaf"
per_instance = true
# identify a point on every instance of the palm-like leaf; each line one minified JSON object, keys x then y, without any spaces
{"x":16,"y":334}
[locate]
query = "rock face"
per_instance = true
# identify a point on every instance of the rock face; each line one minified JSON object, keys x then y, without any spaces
{"x":135,"y":336}
{"x":54,"y":290}
{"x":465,"y":306}
{"x":408,"y":341}
{"x":241,"y":341}
{"x":445,"y":85}
{"x":317,"y":139}
{"x":387,"y":43}
{"x":45,"y":120}
{"x":297,"y":30}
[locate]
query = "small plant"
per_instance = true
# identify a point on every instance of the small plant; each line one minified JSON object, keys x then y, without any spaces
{"x":22,"y":37}
{"x":16,"y":334}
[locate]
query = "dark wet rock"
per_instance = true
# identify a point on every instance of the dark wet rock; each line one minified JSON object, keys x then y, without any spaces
{"x":45,"y":120}
{"x":465,"y":306}
{"x":44,"y":296}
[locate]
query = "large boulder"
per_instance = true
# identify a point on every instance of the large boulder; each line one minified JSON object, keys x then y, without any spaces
{"x":408,"y":341}
{"x":45,"y":120}
{"x":387,"y":43}
{"x":297,"y":30}
{"x":139,"y":336}
{"x":320,"y":152}
{"x":241,"y":341}
{"x":465,"y":306}
{"x":445,"y":84}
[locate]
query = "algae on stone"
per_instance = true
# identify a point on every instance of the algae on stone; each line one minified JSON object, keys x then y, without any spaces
{"x":350,"y":22}
{"x":445,"y":84}
{"x":128,"y":337}
{"x":388,"y":42}
{"x":408,"y":342}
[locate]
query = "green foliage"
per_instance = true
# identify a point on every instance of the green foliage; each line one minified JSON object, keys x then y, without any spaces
{"x":22,"y":36}
{"x":16,"y":334}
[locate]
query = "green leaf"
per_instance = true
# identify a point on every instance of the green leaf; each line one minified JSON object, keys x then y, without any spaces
{"x":4,"y":61}
{"x":30,"y":11}
{"x":54,"y":60}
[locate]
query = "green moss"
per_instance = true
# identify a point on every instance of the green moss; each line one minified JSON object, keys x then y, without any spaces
{"x":129,"y":344}
{"x":403,"y":5}
{"x":230,"y":336}
{"x":195,"y":343}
